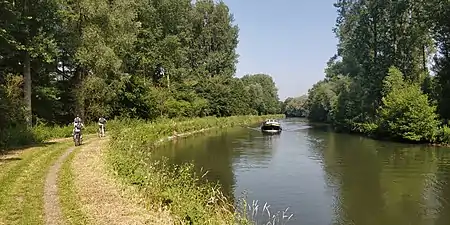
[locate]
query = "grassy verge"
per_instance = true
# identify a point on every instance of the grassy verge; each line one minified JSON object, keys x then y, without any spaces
{"x":68,"y":197}
{"x":176,"y":189}
{"x":103,"y":199}
{"x":22,"y":184}
{"x":22,"y":136}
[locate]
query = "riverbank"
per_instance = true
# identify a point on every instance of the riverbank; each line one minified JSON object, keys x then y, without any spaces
{"x":178,"y":189}
{"x":439,"y":138}
{"x":56,"y":183}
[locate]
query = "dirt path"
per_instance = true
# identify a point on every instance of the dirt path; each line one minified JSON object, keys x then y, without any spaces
{"x":34,"y":188}
{"x":22,"y":182}
{"x":52,"y":209}
{"x":102,"y":197}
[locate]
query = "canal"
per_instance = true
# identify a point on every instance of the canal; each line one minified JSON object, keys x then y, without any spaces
{"x":322,"y":176}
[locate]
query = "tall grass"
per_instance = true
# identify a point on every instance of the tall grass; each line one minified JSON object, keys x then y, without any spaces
{"x":22,"y":135}
{"x":177,"y":189}
{"x":256,"y":214}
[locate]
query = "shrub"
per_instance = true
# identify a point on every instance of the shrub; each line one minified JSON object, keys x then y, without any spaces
{"x":443,"y":135}
{"x":406,"y":113}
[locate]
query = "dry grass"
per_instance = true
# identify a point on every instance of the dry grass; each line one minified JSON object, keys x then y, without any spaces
{"x":69,"y":200}
{"x":101,"y":196}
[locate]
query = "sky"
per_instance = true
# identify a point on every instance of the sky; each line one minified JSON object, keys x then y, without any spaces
{"x":291,"y":40}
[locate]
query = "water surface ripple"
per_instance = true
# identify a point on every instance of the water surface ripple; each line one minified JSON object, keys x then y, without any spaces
{"x":325,"y":177}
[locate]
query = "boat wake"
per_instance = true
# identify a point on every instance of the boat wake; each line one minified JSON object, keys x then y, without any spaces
{"x":297,"y":128}
{"x":286,"y":129}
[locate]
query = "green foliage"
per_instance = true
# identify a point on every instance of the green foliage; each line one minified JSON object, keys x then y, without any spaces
{"x":295,"y":107}
{"x":22,"y":135}
{"x":177,"y":188}
{"x":11,"y":104}
{"x":320,"y":101}
{"x":406,"y":113}
{"x":263,"y":93}
{"x":443,"y":134}
{"x":12,"y":124}
{"x":101,"y":58}
{"x":349,"y":112}
{"x":378,"y":83}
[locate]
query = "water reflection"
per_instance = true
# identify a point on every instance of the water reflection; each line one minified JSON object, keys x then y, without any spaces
{"x":378,"y":182}
{"x":325,"y":177}
{"x":219,"y":152}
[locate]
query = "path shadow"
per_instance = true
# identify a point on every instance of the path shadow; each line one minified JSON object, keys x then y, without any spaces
{"x":10,"y":159}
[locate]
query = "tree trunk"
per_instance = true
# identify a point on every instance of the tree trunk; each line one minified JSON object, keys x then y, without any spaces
{"x":27,"y":88}
{"x":78,"y":92}
{"x":424,"y":59}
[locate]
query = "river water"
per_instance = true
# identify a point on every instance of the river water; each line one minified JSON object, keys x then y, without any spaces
{"x":322,"y":176}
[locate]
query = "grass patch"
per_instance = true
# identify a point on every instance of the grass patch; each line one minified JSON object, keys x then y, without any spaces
{"x":70,"y":202}
{"x":179,"y":189}
{"x":21,"y":195}
{"x":21,"y":136}
{"x":13,"y":163}
{"x":103,"y":199}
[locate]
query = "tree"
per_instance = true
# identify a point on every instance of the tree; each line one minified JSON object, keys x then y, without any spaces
{"x":27,"y":31}
{"x":373,"y":36}
{"x":405,"y":113}
{"x":296,"y":107}
{"x":99,"y":58}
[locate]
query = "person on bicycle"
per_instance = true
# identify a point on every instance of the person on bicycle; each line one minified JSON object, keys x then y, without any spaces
{"x":77,"y":123}
{"x":101,"y":125}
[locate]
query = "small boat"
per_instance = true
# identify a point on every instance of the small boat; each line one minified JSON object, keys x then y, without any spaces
{"x":271,"y":126}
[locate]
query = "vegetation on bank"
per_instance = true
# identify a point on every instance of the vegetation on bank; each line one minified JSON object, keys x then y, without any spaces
{"x":295,"y":107}
{"x":105,"y":59}
{"x":380,"y":82}
{"x":176,"y":188}
{"x":120,"y":59}
{"x":22,"y":135}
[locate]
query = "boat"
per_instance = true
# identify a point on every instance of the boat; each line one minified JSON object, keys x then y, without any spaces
{"x":271,"y":126}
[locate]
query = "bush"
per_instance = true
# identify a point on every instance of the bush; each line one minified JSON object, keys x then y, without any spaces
{"x":365,"y":128}
{"x":406,"y":113}
{"x":443,"y":135}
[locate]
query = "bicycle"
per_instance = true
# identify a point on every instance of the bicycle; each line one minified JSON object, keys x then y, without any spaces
{"x":101,"y":130}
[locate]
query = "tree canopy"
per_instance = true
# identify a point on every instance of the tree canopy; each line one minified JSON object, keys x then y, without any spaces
{"x":379,"y":82}
{"x":123,"y":58}
{"x":295,"y":107}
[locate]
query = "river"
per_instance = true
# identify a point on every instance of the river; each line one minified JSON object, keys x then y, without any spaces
{"x":322,"y":176}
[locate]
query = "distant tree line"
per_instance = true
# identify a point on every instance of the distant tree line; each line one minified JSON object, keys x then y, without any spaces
{"x":295,"y":107}
{"x":379,"y":82}
{"x":123,"y":58}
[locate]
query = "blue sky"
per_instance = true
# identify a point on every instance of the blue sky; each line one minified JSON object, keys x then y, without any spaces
{"x":291,"y":40}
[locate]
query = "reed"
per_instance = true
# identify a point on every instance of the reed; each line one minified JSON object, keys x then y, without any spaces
{"x":258,"y":215}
